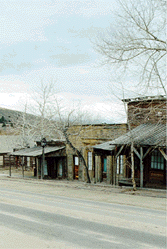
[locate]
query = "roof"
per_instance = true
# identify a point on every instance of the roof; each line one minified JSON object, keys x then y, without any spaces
{"x":104,"y":146}
{"x":145,"y":134}
{"x":98,"y":124}
{"x":145,"y":98}
{"x":36,"y":151}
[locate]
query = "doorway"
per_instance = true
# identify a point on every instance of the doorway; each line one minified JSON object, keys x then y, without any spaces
{"x":76,"y":167}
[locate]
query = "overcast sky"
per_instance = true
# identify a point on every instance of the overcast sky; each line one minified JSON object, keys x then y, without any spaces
{"x":52,"y":40}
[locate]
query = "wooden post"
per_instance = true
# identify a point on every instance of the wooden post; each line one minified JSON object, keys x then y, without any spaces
{"x":109,"y":174}
{"x":37,"y":166}
{"x":3,"y":161}
{"x":112,"y":169}
{"x":43,"y":163}
{"x":23,"y":166}
{"x":141,"y":167}
{"x":101,"y":169}
{"x":93,"y":167}
{"x":97,"y":168}
{"x":10,"y":173}
{"x":115,"y":170}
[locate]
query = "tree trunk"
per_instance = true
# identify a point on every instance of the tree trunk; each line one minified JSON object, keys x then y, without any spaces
{"x":133,"y":166}
{"x":78,"y":154}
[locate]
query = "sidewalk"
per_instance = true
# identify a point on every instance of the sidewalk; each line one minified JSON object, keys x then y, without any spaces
{"x":100,"y":187}
{"x":100,"y":192}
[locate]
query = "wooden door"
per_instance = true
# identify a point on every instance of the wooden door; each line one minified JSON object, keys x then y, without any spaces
{"x":104,"y":167}
{"x":76,"y":167}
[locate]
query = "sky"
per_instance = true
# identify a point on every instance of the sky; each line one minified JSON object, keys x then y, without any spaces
{"x":52,"y":40}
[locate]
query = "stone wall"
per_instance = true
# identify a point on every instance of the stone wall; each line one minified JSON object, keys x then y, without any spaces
{"x":147,"y":111}
{"x":86,"y":136}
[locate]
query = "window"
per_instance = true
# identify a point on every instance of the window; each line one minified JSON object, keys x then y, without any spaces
{"x":157,"y":160}
{"x":105,"y":165}
{"x":76,"y":160}
{"x":120,"y":163}
{"x":89,"y":160}
{"x":60,"y":168}
{"x":28,"y":161}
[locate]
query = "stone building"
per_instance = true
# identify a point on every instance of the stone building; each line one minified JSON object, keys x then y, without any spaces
{"x":143,"y":110}
{"x":84,"y":138}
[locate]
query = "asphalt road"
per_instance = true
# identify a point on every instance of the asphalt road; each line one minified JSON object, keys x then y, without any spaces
{"x":36,"y":220}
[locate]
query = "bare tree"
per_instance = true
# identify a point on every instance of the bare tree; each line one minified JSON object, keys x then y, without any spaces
{"x":51,"y":119}
{"x":35,"y":121}
{"x":138,"y":42}
{"x":138,"y":46}
{"x":132,"y":164}
{"x":67,"y":118}
{"x":43,"y":98}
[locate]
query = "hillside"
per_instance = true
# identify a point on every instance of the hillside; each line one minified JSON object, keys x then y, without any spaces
{"x":11,"y":120}
{"x":7,"y":117}
{"x":30,"y":126}
{"x":8,"y":114}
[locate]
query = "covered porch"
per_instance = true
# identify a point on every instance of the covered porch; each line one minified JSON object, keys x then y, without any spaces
{"x":149,"y":149}
{"x":54,"y":161}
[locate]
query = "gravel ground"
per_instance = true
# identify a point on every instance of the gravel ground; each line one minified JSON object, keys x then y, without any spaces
{"x":28,"y":176}
{"x":145,"y":198}
{"x":149,"y":198}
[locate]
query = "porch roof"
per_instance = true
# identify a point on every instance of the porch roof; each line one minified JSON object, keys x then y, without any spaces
{"x":36,"y":151}
{"x":145,"y":135}
{"x":104,"y":146}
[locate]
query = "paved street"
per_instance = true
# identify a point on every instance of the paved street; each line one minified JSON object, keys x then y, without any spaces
{"x":30,"y":218}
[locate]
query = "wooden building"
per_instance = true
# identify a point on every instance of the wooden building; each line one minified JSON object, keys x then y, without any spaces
{"x":146,"y":117}
{"x":149,"y":152}
{"x":9,"y":143}
{"x":55,"y":159}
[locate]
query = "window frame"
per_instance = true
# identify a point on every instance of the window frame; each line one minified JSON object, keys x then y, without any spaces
{"x":90,"y":160}
{"x":120,"y":164}
{"x":157,"y":161}
{"x":76,"y":160}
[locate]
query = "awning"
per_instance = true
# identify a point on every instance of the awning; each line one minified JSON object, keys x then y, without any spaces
{"x":36,"y":151}
{"x":144,"y":135}
{"x":104,"y":146}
